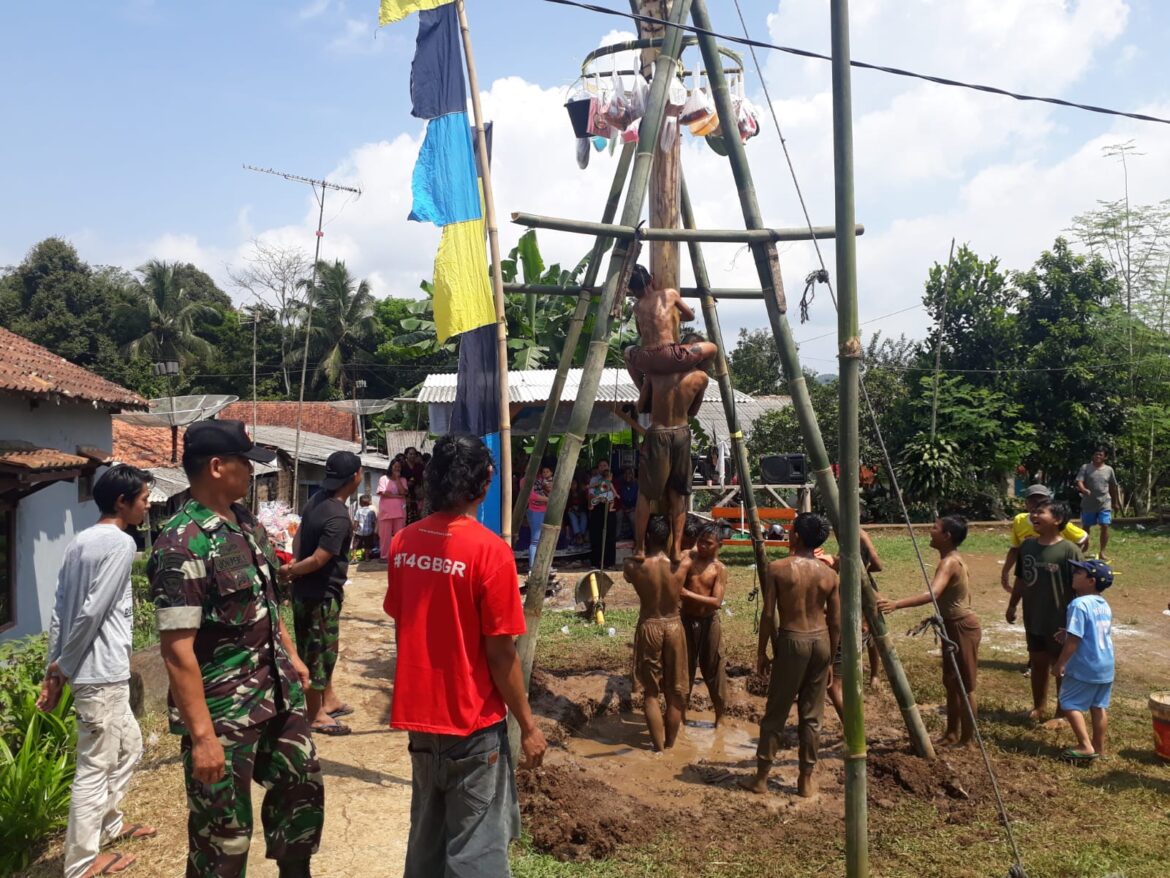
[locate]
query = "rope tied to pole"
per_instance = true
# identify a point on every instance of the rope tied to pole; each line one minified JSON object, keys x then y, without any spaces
{"x":817,"y":276}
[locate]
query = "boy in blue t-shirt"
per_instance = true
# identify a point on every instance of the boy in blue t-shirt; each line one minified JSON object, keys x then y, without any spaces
{"x":1086,"y":660}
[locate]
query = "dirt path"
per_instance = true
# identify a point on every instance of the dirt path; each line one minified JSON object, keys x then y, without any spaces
{"x":367,"y":774}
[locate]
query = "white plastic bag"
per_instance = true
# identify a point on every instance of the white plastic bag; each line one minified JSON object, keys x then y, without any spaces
{"x":639,"y":96}
{"x":698,"y":109}
{"x":617,"y":107}
{"x":676,"y":98}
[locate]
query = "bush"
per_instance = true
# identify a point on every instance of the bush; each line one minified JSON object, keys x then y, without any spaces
{"x":37,"y":754}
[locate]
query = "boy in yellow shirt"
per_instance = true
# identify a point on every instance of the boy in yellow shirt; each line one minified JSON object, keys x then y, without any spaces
{"x":1022,"y":529}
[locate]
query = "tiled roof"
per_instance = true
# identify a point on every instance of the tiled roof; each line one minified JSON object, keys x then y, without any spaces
{"x":145,"y":447}
{"x":29,"y":370}
{"x":27,"y":456}
{"x":318,"y":417}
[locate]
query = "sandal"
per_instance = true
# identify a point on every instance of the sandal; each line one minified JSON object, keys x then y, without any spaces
{"x":115,"y":864}
{"x":335,"y":730}
{"x":344,"y":710}
{"x":134,"y":832}
{"x":1077,"y":757}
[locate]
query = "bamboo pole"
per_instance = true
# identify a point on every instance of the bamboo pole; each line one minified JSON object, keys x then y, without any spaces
{"x":726,"y":392}
{"x":489,"y":207}
{"x":648,"y":132}
{"x":709,"y":236}
{"x":584,"y":300}
{"x":849,"y":521}
{"x":772,"y":286}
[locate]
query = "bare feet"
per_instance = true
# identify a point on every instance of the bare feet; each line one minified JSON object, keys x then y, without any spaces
{"x":639,"y":555}
{"x":806,"y":785}
{"x":754,"y":784}
{"x":962,"y":744}
{"x":1036,"y":714}
{"x":1054,"y":725}
{"x":947,"y":741}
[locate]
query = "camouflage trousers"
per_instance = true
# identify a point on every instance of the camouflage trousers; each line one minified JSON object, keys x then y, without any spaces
{"x":279,"y":755}
{"x":317,"y":628}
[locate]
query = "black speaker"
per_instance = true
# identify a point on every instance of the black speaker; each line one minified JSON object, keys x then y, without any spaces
{"x":783,"y":469}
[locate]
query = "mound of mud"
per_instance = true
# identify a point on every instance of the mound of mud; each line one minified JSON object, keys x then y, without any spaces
{"x":955,"y":781}
{"x":572,"y":816}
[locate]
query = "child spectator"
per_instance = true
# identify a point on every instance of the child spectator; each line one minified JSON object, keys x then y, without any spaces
{"x":1044,"y":583}
{"x":578,"y":518}
{"x":951,"y":588}
{"x":537,"y":507}
{"x":1086,"y":659}
{"x":365,"y":522}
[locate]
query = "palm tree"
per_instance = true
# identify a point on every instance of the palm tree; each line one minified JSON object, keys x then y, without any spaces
{"x":343,"y":322}
{"x":172,"y":317}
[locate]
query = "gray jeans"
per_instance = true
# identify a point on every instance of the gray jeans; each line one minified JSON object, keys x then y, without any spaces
{"x":464,"y":809}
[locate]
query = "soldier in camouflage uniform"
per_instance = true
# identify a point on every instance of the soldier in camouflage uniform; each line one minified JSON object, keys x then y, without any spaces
{"x":236,"y":680}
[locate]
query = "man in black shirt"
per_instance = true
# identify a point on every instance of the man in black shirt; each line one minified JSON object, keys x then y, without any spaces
{"x":318,"y":578}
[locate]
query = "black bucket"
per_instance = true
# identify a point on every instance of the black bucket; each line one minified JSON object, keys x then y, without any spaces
{"x":579,"y":116}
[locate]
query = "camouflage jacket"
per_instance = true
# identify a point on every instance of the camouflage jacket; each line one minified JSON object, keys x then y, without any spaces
{"x":219,"y":578}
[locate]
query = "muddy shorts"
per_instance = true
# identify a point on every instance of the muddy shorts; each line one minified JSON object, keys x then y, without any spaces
{"x":966,"y":632}
{"x":464,"y":809}
{"x":800,"y":673}
{"x":704,"y":652}
{"x":666,"y":462}
{"x":317,"y":627}
{"x":665,"y":360}
{"x":660,"y":657}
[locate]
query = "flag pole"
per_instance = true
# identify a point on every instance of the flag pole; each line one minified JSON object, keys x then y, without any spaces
{"x":493,"y":234}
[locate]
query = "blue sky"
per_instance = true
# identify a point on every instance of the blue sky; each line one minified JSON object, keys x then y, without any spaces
{"x":129,"y":121}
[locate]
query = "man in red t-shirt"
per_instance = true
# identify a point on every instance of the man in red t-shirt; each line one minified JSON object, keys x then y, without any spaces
{"x":453,"y":593}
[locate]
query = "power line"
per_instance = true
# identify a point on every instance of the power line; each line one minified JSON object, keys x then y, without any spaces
{"x":894,"y":71}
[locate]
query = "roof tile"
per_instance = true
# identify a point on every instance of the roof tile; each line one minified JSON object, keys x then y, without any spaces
{"x":29,"y":370}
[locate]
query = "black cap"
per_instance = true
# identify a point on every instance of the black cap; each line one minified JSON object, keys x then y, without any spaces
{"x":340,"y":467}
{"x":223,"y":438}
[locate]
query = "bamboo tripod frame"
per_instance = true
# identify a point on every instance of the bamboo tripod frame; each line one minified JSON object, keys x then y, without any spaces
{"x":861,"y":601}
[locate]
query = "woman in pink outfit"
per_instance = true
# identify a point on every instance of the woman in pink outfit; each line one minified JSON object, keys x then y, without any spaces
{"x":392,"y":495}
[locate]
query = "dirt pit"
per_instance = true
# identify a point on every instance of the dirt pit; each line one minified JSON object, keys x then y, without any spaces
{"x":603,"y":787}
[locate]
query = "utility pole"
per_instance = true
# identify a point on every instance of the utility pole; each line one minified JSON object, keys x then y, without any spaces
{"x":295,"y":178}
{"x":255,"y":309}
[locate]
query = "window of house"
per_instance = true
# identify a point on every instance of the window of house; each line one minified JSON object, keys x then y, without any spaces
{"x":7,"y":566}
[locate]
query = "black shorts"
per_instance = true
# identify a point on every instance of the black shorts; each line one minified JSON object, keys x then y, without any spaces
{"x":1042,"y":643}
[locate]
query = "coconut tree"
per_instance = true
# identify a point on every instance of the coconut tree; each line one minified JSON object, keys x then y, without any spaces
{"x":343,"y":323}
{"x":172,"y":317}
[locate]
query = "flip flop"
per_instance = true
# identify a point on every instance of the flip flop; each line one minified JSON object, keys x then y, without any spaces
{"x":335,"y":730}
{"x":1081,"y":758}
{"x":94,"y":869}
{"x":344,"y":710}
{"x":120,"y":865}
{"x":134,"y":832}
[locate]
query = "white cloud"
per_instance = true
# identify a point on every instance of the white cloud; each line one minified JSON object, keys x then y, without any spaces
{"x":357,"y":36}
{"x":931,"y":162}
{"x":313,"y":9}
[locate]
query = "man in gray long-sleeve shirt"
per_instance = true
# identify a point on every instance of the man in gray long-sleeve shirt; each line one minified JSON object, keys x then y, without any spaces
{"x":90,"y":639}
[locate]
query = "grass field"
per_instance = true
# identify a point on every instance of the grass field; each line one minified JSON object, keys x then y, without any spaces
{"x":1111,"y":818}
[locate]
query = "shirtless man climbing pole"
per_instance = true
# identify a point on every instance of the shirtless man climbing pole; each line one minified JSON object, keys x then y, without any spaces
{"x":657,"y":315}
{"x":805,"y":594}
{"x":660,"y":648}
{"x":666,"y":469}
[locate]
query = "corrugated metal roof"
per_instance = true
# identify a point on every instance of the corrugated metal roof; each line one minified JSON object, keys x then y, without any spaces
{"x":170,"y":480}
{"x":534,"y":385}
{"x":314,"y":447}
{"x":30,"y":457}
{"x":29,"y":370}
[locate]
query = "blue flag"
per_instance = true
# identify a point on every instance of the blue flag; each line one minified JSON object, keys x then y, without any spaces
{"x":477,"y":406}
{"x":436,"y":76}
{"x":444,"y":185}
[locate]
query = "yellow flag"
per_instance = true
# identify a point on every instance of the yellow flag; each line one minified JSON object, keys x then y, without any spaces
{"x":396,"y":10}
{"x":463,"y":297}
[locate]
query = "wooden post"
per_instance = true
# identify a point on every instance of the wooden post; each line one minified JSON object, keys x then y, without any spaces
{"x":665,"y":179}
{"x":493,"y":233}
{"x":649,"y":130}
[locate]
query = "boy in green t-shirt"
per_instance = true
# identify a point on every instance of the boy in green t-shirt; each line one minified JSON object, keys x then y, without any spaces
{"x":1044,"y":583}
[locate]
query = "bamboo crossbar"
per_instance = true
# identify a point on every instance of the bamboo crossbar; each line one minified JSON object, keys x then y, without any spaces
{"x":706,"y":236}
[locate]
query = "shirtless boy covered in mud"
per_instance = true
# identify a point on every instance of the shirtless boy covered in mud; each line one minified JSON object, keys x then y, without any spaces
{"x":657,"y":315}
{"x":805,"y":594}
{"x":660,"y":648}
{"x":702,"y":596}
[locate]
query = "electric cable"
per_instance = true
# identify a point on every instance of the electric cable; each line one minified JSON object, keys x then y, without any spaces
{"x":894,"y":71}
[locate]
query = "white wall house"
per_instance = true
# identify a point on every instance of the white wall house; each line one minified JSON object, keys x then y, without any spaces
{"x":55,"y":432}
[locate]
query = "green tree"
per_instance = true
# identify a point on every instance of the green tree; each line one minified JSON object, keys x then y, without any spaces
{"x":343,"y":332}
{"x":173,"y":317}
{"x":754,"y":364}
